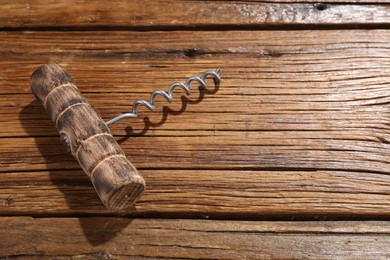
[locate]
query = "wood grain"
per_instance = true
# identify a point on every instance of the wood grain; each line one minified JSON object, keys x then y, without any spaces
{"x":189,"y":14}
{"x":127,"y":62}
{"x":27,"y":238}
{"x":201,"y":193}
{"x":298,"y":128}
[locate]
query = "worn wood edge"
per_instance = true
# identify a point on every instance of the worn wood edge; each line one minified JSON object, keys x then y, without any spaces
{"x":207,"y":193}
{"x":180,"y":238}
{"x":190,"y":14}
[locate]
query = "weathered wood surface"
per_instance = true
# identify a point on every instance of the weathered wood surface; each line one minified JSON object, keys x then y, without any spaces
{"x":119,"y":238}
{"x":294,"y":129}
{"x":298,"y":129}
{"x":241,"y":194}
{"x":173,"y":13}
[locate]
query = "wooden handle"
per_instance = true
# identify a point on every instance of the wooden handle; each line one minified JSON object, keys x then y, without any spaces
{"x":87,"y":137}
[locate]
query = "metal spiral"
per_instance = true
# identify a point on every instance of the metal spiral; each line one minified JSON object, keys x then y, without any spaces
{"x":168,"y":95}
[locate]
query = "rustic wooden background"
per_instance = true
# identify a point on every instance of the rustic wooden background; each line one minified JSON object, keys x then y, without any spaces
{"x":288,"y":158}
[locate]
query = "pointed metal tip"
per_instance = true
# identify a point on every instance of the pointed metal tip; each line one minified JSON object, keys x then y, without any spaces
{"x":218,"y":70}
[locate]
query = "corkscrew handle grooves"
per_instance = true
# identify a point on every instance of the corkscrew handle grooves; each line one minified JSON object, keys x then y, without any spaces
{"x":87,"y":138}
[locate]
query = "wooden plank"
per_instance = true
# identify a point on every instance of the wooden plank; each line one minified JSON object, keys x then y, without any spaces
{"x":120,"y":238}
{"x":315,"y":109}
{"x":222,"y":150}
{"x":163,"y":13}
{"x":129,"y":61}
{"x":203,"y":193}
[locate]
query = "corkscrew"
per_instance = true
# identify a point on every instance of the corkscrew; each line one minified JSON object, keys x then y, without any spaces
{"x":88,"y":138}
{"x":168,"y":95}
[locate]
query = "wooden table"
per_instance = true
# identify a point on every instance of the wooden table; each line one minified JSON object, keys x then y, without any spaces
{"x":289,"y":158}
